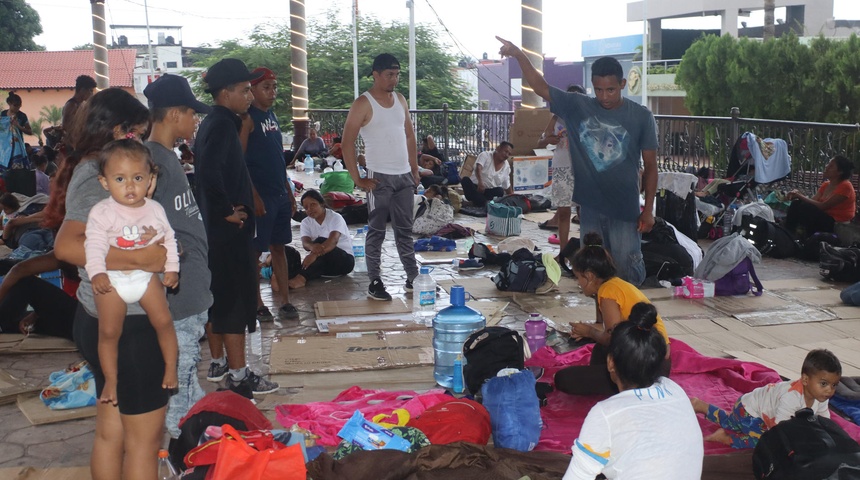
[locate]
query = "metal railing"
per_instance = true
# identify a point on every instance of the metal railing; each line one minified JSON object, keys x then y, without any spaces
{"x":685,"y":142}
{"x":456,"y":132}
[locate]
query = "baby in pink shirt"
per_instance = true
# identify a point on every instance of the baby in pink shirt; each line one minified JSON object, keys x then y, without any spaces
{"x":129,"y":220}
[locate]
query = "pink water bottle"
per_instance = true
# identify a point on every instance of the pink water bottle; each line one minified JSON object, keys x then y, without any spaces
{"x":535,"y":332}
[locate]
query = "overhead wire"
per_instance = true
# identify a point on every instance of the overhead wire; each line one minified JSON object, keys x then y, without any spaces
{"x":460,"y":47}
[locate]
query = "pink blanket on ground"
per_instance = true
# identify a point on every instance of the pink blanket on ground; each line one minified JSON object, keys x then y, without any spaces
{"x":327,"y":418}
{"x":719,"y":381}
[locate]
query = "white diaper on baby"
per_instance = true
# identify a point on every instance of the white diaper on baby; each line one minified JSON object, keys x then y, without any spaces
{"x":130,"y":286}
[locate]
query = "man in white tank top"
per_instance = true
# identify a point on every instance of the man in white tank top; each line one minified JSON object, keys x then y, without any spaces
{"x":382,"y":118}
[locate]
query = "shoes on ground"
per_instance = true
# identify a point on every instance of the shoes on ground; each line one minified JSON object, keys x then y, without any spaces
{"x":470,"y":264}
{"x":217,"y":372}
{"x":546,"y":226}
{"x":264,"y":315}
{"x":376,"y":290}
{"x":288,"y":312}
{"x":408,"y":286}
{"x":257,"y":384}
{"x":553,"y":239}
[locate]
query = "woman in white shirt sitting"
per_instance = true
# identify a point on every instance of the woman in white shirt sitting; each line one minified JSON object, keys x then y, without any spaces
{"x":648,"y":430}
{"x":326,"y":238}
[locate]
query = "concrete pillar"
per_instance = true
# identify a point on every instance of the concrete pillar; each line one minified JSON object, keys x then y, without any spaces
{"x":100,"y":56}
{"x":532,"y":32}
{"x":655,"y":38}
{"x":730,"y":22}
{"x":299,"y":70}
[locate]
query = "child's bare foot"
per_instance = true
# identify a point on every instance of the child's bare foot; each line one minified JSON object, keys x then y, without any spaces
{"x":170,"y":379}
{"x":297,"y":282}
{"x":719,"y":436}
{"x":699,"y":406}
{"x":109,"y":393}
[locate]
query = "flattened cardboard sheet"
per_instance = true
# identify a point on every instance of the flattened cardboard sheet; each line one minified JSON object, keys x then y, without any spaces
{"x":375,"y":325}
{"x":748,"y":303}
{"x":796,"y":284}
{"x":479,"y":287}
{"x":438,"y":258}
{"x":538,"y":217}
{"x":846,"y":312}
{"x":343,"y":308}
{"x":14,"y":344}
{"x":321,"y":353}
{"x":682,"y":307}
{"x":689,"y":326}
{"x":820,"y":297}
{"x":11,"y":387}
{"x":39,"y":414}
{"x":798,"y":314}
{"x":407,"y":378}
{"x":789,"y":359}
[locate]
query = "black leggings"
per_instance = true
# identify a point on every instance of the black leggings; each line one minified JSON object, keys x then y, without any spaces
{"x":470,"y":190}
{"x":806,"y":219}
{"x":593,"y":379}
{"x":140,"y":366}
{"x":334,"y":263}
{"x":54,"y":309}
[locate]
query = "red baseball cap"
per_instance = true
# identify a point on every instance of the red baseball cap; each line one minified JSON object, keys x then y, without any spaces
{"x":265,"y":74}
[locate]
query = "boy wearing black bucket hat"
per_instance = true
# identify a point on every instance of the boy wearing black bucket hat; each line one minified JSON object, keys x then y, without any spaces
{"x":173,"y":110}
{"x":227,"y":205}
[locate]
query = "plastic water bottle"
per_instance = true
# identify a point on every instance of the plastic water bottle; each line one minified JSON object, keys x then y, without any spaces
{"x":420,"y":189}
{"x":458,"y":375}
{"x":424,"y":297}
{"x":358,"y":251}
{"x":254,"y":349}
{"x":338,"y":166}
{"x":165,"y":468}
{"x":309,"y":164}
{"x":451,"y":327}
{"x":727,"y":220}
{"x":535,"y":332}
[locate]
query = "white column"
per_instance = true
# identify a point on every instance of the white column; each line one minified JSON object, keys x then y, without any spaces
{"x":532,"y":32}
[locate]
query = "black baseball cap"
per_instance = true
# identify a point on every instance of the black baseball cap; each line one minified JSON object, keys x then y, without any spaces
{"x":173,"y":91}
{"x":227,"y":72}
{"x":385,"y":61}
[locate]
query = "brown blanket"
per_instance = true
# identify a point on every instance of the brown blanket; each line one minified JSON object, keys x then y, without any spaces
{"x":474,"y":462}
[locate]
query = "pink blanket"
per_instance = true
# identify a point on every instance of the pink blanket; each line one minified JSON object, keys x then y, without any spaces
{"x":719,"y":381}
{"x":327,"y":418}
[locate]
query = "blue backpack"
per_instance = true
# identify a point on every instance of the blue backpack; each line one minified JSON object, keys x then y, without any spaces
{"x":451,"y":172}
{"x":514,"y":410}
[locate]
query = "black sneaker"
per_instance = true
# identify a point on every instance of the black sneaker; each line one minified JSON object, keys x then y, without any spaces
{"x":264,"y":315}
{"x":408,"y":286}
{"x":217,"y":372}
{"x":376,"y":291}
{"x":257,"y":384}
{"x":288,"y":312}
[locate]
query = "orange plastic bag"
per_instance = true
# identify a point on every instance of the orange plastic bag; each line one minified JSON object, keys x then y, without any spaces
{"x":239,"y":461}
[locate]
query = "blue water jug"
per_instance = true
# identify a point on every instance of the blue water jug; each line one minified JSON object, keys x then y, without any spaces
{"x":451,"y":327}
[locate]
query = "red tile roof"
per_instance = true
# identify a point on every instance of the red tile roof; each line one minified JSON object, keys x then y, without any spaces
{"x":20,"y":70}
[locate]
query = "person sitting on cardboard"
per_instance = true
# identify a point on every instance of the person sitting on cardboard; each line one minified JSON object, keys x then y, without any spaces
{"x":491,"y":177}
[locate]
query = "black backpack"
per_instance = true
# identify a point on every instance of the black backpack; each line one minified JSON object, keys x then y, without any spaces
{"x":523,"y":273}
{"x":839,"y":264}
{"x":806,"y":446}
{"x":769,"y":238}
{"x":489,"y":350}
{"x":812,"y":246}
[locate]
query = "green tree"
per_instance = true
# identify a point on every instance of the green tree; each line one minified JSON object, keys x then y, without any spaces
{"x":330,"y":73}
{"x":778,"y":79}
{"x":19,"y":23}
{"x":36,"y":126}
{"x":51,"y":114}
{"x":85,"y":46}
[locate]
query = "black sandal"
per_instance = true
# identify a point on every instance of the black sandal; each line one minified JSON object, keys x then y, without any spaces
{"x":546,"y":226}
